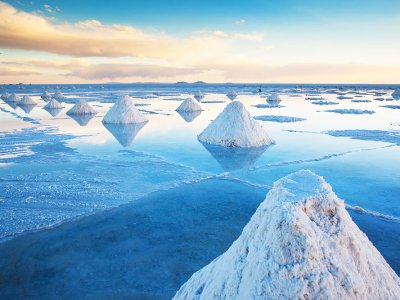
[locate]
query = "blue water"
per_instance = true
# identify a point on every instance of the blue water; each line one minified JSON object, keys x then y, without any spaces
{"x":88,"y":210}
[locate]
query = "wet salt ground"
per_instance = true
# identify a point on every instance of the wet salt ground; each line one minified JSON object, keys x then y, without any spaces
{"x":54,"y":170}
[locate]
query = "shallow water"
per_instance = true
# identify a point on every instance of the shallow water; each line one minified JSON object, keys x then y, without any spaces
{"x":183,"y":202}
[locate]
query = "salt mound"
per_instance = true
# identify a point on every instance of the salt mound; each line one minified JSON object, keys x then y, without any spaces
{"x":26,"y":100}
{"x":58,"y":95}
{"x":46,"y":95}
{"x":232,"y":95}
{"x":235,"y":127}
{"x":189,"y":104}
{"x":198,"y":96}
{"x":13,"y":98}
{"x":53,"y":104}
{"x":274,"y":99}
{"x":124,"y":111}
{"x":301,"y":243}
{"x":82,"y":108}
{"x":396,"y":95}
{"x":5,"y":95}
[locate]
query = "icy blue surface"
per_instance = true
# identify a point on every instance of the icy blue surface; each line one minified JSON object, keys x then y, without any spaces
{"x":113,"y":211}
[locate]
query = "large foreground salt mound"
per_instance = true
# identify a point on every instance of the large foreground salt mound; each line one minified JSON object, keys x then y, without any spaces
{"x":300,"y":244}
{"x":53,"y":104}
{"x":124,"y":111}
{"x":189,"y":105}
{"x":82,"y":108}
{"x":235,"y":127}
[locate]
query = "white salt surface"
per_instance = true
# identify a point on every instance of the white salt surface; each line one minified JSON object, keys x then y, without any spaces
{"x":301,"y":243}
{"x":235,"y":127}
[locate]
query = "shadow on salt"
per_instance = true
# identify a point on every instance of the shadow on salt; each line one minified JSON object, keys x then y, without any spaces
{"x":82,"y":120}
{"x":189,"y":116}
{"x":53,"y":111}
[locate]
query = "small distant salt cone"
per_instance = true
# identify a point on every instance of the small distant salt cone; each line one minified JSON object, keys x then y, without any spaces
{"x":26,"y":100}
{"x":5,"y":95}
{"x":82,"y":108}
{"x":53,"y":104}
{"x":301,"y":243}
{"x":235,"y":127}
{"x":13,"y":98}
{"x":59,"y":96}
{"x":274,"y":99}
{"x":189,"y":105}
{"x":45,"y":96}
{"x":232,"y":95}
{"x":396,"y":95}
{"x":198,"y":96}
{"x":124,"y":111}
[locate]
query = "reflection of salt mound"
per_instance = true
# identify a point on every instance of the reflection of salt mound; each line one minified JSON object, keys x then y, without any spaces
{"x":53,"y":104}
{"x":274,"y":99}
{"x":234,"y":158}
{"x":53,"y":111}
{"x":124,"y":112}
{"x":82,"y":108}
{"x":13,"y":98}
{"x":26,"y":100}
{"x":198,"y":96}
{"x":189,"y":104}
{"x":45,"y":96}
{"x":300,"y":244}
{"x":189,"y":116}
{"x":396,"y":95}
{"x":124,"y":133}
{"x":27,"y":108}
{"x":5,"y":95}
{"x":58,"y":95}
{"x":231,"y":95}
{"x":82,"y":120}
{"x":235,"y":127}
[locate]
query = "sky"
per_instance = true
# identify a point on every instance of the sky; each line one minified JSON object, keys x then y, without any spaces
{"x":260,"y":41}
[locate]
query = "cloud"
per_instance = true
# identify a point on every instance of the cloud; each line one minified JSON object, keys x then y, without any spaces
{"x":91,"y":38}
{"x":5,"y":71}
{"x":241,"y":21}
{"x":252,"y":36}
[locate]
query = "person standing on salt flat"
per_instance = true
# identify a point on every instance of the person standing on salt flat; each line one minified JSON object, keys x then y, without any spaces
{"x":124,"y":111}
{"x":45,"y":96}
{"x":198,"y":96}
{"x":26,"y":100}
{"x":189,"y":105}
{"x":235,"y":127}
{"x":13,"y":98}
{"x":53,"y":104}
{"x":301,"y":243}
{"x":82,"y":108}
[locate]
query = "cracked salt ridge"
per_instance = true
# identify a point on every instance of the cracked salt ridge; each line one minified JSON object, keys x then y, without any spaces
{"x":350,"y":111}
{"x":392,"y":137}
{"x":279,"y":119}
{"x":361,"y":101}
{"x":268,"y":106}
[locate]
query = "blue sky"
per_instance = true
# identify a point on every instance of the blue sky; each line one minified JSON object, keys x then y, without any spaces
{"x":263,"y":36}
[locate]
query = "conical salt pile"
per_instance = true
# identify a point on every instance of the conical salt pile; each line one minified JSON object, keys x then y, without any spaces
{"x":45,"y":96}
{"x":396,"y":95}
{"x":274,"y":99}
{"x":82,"y":108}
{"x":53,"y":104}
{"x":188,"y":105}
{"x":5,"y":95}
{"x":235,"y":127}
{"x":26,"y":100}
{"x":301,"y":243}
{"x":13,"y":98}
{"x":58,"y":95}
{"x":198,"y":96}
{"x":124,"y":111}
{"x":232,"y":95}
